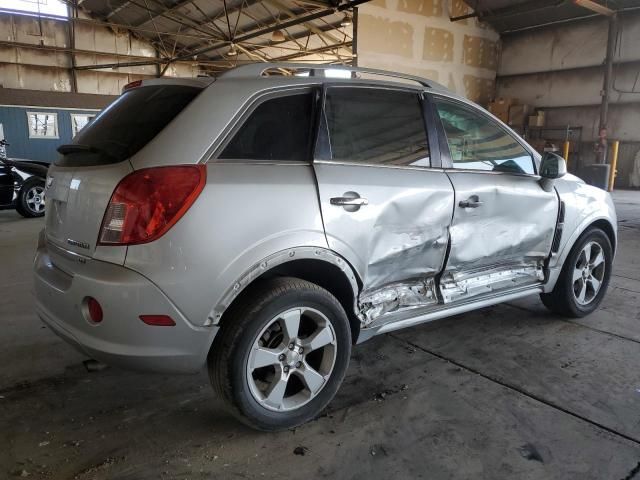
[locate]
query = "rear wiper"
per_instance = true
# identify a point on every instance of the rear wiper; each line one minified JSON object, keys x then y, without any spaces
{"x":76,"y":147}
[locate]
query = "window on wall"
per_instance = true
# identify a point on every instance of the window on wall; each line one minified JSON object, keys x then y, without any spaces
{"x":53,"y":8}
{"x":42,"y":124}
{"x":376,"y":126}
{"x":78,"y":122}
{"x":476,"y":142}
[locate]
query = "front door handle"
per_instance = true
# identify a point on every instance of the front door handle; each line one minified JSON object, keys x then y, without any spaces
{"x":472,"y":202}
{"x":350,"y":201}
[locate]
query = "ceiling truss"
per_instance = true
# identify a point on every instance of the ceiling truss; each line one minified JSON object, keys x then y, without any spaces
{"x":216,"y":35}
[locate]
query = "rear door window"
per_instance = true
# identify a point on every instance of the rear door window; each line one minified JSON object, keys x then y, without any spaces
{"x":127,"y":125}
{"x":278,"y":129}
{"x":376,"y":126}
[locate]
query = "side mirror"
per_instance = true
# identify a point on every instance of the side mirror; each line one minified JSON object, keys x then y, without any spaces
{"x":552,"y":166}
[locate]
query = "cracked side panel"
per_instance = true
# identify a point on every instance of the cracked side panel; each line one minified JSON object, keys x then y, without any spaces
{"x":504,"y":240}
{"x":397,"y":297}
{"x":408,"y":241}
{"x":396,"y":241}
{"x":455,"y":286}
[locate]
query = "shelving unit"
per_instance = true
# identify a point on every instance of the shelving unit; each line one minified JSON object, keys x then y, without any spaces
{"x":560,"y":134}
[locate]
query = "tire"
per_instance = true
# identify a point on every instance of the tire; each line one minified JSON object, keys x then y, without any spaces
{"x":30,"y":201}
{"x":566,"y":298}
{"x":260,"y":325}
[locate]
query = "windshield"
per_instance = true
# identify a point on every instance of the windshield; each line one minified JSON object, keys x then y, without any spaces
{"x":126,"y":125}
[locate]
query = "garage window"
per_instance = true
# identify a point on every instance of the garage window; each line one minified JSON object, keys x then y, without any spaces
{"x":79,"y":121}
{"x":278,"y":129}
{"x":42,"y":124}
{"x":376,"y":126}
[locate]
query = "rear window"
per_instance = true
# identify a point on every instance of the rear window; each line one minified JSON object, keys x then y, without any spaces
{"x":126,"y":125}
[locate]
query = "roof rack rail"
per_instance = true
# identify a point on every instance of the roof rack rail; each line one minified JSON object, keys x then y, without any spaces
{"x":259,"y":69}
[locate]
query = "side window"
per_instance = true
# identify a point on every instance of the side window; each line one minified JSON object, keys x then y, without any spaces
{"x":42,"y":124}
{"x":79,"y":121}
{"x":278,"y":129}
{"x":476,"y":142}
{"x":376,"y":126}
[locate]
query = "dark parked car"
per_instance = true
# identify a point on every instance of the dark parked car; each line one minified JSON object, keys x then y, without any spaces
{"x":22,"y":186}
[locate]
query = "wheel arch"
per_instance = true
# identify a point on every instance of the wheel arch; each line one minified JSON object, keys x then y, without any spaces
{"x":606,"y":227}
{"x":313,"y":264}
{"x":602,"y":223}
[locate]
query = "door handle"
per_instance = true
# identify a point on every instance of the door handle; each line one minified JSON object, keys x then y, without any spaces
{"x":472,"y":202}
{"x":350,"y":201}
{"x":347,"y":201}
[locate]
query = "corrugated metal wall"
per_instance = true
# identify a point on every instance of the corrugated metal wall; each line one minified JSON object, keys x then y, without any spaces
{"x":34,"y":54}
{"x":16,"y":132}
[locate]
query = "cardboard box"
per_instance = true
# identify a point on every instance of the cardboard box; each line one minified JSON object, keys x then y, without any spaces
{"x":518,"y":115}
{"x":504,"y":116}
{"x":500,"y":106}
{"x":537,"y":120}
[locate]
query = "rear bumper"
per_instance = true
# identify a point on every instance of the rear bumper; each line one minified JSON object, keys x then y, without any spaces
{"x":121,"y":339}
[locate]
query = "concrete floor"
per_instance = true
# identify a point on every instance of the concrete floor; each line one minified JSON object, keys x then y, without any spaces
{"x":510,"y":391}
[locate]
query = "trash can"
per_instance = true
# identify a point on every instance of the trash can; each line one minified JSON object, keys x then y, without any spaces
{"x":597,"y":175}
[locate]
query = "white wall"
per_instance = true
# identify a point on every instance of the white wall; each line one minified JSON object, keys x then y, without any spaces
{"x":417,"y":37}
{"x":560,"y":67}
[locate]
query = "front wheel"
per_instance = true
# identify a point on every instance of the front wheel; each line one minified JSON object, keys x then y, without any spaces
{"x":30,"y":202}
{"x":584,"y":278}
{"x":282,"y":354}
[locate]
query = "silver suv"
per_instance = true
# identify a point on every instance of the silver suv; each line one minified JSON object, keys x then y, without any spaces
{"x":261,"y":224}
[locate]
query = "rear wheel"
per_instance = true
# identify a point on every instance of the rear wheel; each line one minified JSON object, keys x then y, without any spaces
{"x":281,"y":355}
{"x":584,"y":278}
{"x":30,"y":202}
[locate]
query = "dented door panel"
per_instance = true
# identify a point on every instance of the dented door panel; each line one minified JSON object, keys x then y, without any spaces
{"x":397,"y":242}
{"x":503,"y":242}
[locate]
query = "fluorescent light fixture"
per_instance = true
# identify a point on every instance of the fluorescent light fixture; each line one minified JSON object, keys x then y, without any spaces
{"x":594,"y":7}
{"x":337,"y":73}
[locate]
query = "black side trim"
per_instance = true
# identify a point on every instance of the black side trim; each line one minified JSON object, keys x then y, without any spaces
{"x":557,"y":236}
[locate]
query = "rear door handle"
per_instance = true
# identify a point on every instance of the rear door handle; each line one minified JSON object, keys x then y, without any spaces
{"x":350,"y":201}
{"x":347,"y":201}
{"x":472,"y":202}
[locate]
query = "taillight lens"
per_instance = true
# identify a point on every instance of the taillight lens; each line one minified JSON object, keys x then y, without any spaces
{"x":148,"y":202}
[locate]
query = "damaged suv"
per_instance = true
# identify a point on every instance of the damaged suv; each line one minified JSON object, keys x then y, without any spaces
{"x":261,"y":224}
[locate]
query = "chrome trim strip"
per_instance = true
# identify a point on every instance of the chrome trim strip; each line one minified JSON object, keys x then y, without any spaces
{"x":491,"y":172}
{"x":66,"y":253}
{"x":377,"y":165}
{"x":296,"y":163}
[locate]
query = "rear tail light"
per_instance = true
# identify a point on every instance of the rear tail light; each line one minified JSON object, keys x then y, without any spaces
{"x":148,"y":202}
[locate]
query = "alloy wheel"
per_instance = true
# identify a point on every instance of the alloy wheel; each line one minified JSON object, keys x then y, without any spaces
{"x":291,"y":359}
{"x":35,"y":199}
{"x":588,"y":273}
